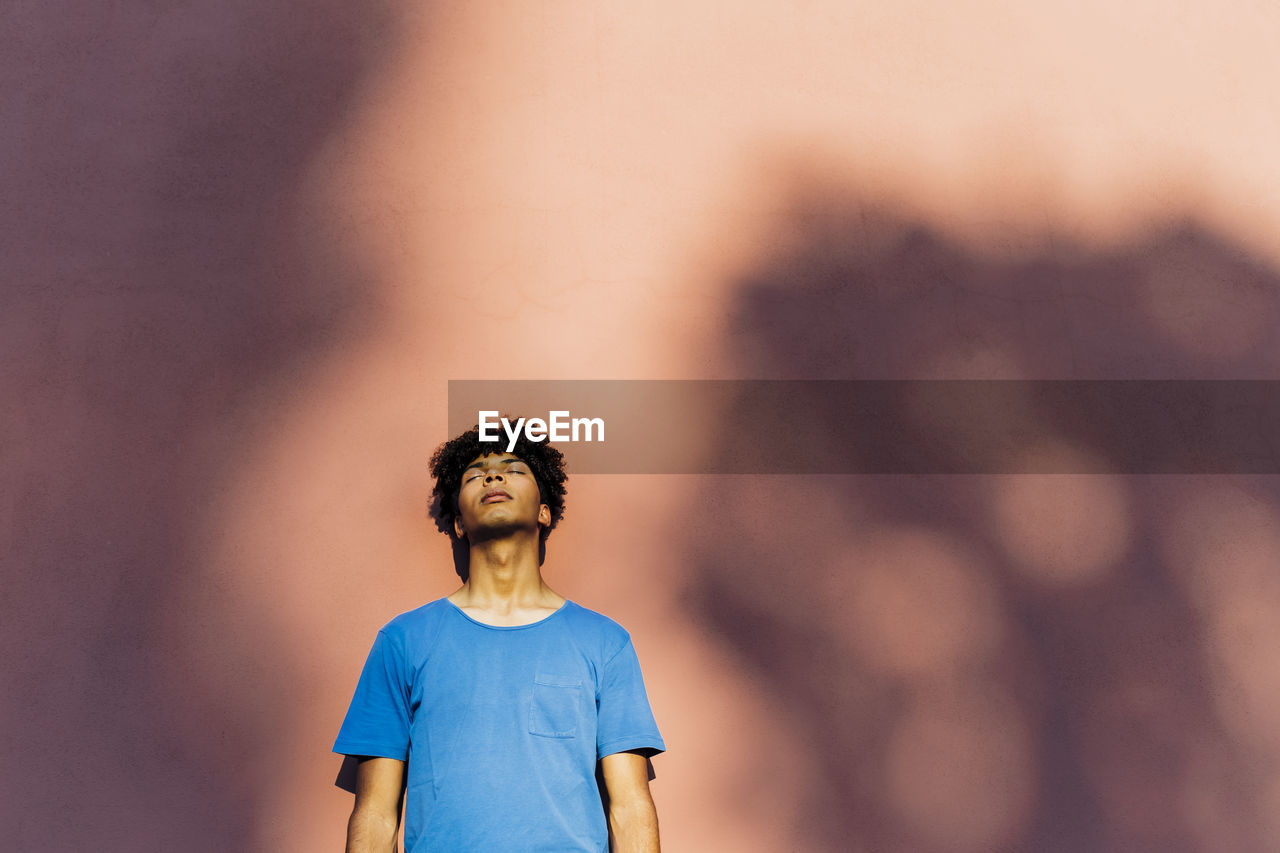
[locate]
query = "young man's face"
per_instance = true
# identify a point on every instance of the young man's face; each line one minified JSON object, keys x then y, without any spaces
{"x":498,"y":495}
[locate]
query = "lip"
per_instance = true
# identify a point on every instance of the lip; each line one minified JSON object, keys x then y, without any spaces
{"x":494,"y":493}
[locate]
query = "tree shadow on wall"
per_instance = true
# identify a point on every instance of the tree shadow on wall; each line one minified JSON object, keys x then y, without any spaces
{"x":166,"y":291}
{"x":1021,"y":662}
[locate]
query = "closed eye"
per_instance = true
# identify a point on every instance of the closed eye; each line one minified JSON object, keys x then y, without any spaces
{"x":512,"y":466}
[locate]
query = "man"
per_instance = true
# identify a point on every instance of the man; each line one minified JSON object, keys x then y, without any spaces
{"x":498,"y":712}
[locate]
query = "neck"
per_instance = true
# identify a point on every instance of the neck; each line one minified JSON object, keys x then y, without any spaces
{"x":506,"y":572}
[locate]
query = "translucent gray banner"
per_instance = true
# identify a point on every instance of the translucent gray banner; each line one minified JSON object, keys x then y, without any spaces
{"x":885,"y":427}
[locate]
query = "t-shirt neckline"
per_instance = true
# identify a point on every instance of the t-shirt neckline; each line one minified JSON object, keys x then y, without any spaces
{"x":475,"y":621}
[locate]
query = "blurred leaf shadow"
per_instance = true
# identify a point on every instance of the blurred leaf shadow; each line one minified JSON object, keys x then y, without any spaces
{"x":169,"y":286}
{"x":1018,"y":662}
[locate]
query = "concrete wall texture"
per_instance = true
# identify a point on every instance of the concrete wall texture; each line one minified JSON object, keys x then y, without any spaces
{"x":245,"y":245}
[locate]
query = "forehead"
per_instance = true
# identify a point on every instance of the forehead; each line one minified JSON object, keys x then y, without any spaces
{"x":486,"y":459}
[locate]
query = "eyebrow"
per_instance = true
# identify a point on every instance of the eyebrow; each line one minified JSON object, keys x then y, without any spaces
{"x":479,"y":463}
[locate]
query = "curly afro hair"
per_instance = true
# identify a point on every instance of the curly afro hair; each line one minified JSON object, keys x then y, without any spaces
{"x":452,"y":458}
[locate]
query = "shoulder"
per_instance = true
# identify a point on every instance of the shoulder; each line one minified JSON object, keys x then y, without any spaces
{"x":417,"y":624}
{"x":595,"y":629}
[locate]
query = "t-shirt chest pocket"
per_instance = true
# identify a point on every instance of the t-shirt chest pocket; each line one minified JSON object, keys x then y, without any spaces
{"x":555,"y":706}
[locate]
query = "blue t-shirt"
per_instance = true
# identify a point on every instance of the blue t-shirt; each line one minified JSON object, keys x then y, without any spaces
{"x":501,"y":726}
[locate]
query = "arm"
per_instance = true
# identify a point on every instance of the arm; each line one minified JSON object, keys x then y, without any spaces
{"x":633,"y":820}
{"x":375,"y":819}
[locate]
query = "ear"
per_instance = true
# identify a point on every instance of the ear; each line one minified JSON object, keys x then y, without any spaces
{"x":457,"y":528}
{"x":544,"y":515}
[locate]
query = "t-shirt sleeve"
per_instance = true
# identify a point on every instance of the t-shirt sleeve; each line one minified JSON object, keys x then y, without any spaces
{"x":625,"y":721}
{"x":377,"y":722}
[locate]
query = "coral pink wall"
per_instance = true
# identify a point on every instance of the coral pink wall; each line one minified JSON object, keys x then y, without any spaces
{"x":245,"y":245}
